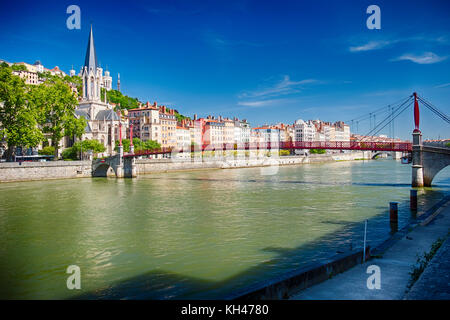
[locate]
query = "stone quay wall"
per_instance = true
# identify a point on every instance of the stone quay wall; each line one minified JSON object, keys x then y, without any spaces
{"x":29,"y":171}
{"x":146,"y":166}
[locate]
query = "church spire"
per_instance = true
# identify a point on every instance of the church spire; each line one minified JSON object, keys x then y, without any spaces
{"x":91,"y":56}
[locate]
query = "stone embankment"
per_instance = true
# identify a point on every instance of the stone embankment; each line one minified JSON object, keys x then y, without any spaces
{"x":29,"y":171}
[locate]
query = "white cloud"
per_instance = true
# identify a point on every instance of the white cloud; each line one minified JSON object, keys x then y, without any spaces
{"x":379,"y":44}
{"x":270,"y":95}
{"x":259,"y":103}
{"x":426,"y":58}
{"x":444,"y":85}
{"x":284,"y":87}
{"x":372,"y":45}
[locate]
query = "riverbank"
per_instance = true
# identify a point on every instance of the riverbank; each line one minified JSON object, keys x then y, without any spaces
{"x":30,"y":171}
{"x":148,"y":166}
{"x":395,"y":264}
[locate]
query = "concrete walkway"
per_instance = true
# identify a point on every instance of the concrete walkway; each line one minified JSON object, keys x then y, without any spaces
{"x":434,"y":283}
{"x":395,"y":265}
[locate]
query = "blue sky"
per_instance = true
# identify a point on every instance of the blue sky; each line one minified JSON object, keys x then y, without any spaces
{"x":264,"y":61}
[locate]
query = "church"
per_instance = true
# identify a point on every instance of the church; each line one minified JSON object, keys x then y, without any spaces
{"x":103,"y":123}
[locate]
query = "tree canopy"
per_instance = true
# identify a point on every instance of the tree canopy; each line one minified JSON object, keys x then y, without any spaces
{"x":30,"y":112}
{"x":56,"y":101}
{"x":18,"y":117}
{"x":117,"y":97}
{"x":79,"y":147}
{"x":139,"y":145}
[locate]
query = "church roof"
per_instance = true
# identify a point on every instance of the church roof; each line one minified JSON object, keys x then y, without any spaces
{"x":107,"y":115}
{"x":82,"y":113}
{"x":91,"y":55}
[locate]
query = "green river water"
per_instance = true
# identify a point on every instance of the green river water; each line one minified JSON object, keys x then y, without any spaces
{"x":200,"y":234}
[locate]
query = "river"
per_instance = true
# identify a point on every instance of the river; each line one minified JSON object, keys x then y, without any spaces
{"x":201,"y":234}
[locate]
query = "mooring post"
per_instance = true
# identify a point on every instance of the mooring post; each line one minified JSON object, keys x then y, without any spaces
{"x":393,"y":216}
{"x":413,"y":199}
{"x":365,"y":237}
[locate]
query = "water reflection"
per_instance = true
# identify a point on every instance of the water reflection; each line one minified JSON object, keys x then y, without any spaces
{"x":200,"y":234}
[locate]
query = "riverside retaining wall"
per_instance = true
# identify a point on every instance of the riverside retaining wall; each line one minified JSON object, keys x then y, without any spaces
{"x":28,"y":171}
{"x":146,"y":166}
{"x":292,"y":282}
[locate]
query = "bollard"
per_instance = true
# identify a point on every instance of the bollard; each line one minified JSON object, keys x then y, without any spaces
{"x":393,"y":211}
{"x":393,"y":216}
{"x":413,"y":199}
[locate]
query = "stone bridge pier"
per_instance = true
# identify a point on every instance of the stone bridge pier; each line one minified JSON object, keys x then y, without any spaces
{"x":118,"y":165}
{"x":427,"y":161}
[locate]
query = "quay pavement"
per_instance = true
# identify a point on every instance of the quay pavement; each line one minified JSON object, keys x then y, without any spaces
{"x":395,"y":265}
{"x":434,"y":283}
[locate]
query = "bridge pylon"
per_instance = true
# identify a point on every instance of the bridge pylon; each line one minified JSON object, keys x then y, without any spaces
{"x":417,"y":166}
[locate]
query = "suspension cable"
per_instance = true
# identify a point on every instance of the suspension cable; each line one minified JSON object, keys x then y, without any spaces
{"x":390,"y":117}
{"x":405,"y":108}
{"x":435,"y":110}
{"x":376,"y":111}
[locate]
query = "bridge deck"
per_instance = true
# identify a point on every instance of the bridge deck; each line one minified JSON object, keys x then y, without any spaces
{"x":334,"y":145}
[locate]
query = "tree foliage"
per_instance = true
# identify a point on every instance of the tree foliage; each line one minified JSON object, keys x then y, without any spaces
{"x":84,"y":146}
{"x":48,"y":151}
{"x":117,"y":97}
{"x":30,"y":112}
{"x":18,"y":67}
{"x":57,"y":103}
{"x":18,"y":118}
{"x":139,"y":145}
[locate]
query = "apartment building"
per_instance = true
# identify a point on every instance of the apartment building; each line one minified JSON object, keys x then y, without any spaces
{"x":269,"y":134}
{"x":146,"y":122}
{"x":183,"y":135}
{"x":168,"y":127}
{"x":305,"y":131}
{"x":213,"y":132}
{"x":241,"y":131}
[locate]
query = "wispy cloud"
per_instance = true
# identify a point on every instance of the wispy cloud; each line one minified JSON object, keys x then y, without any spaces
{"x":273,"y":94}
{"x":372,"y":45}
{"x":426,"y":58}
{"x":284,"y":87}
{"x":260,"y":103}
{"x":444,"y":85}
{"x":219,"y":41}
{"x":383,"y":43}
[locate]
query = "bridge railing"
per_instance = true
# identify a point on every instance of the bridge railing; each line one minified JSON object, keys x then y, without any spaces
{"x":331,"y":145}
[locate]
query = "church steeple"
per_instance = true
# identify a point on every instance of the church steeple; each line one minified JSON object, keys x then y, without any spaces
{"x":91,"y":55}
{"x":91,"y":73}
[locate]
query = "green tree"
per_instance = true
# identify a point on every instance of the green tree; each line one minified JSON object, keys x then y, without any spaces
{"x":18,"y":117}
{"x":79,"y":147}
{"x":49,"y":151}
{"x":151,"y":145}
{"x":125,"y":144}
{"x":318,"y":151}
{"x":57,"y":103}
{"x":18,"y":67}
{"x":117,"y":97}
{"x":92,"y":145}
{"x":139,"y":145}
